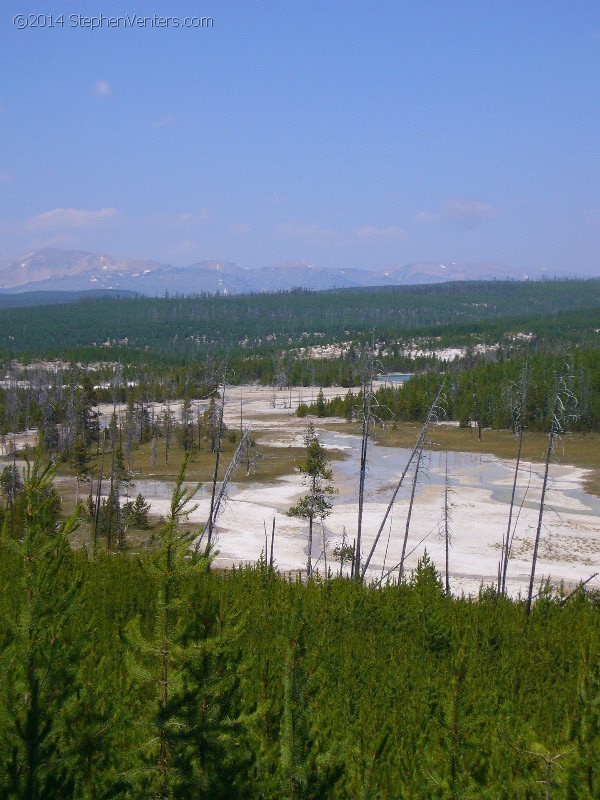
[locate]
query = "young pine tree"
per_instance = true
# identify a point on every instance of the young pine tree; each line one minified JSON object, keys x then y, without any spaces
{"x":37,"y":604}
{"x":180,"y":663}
{"x":316,"y":505}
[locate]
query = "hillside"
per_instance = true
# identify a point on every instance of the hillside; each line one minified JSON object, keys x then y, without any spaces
{"x":443,"y":314}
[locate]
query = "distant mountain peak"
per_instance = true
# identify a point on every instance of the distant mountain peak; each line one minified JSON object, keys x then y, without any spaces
{"x":54,"y":269}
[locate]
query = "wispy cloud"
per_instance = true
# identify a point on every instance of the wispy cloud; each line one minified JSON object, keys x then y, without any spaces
{"x":102,"y":88}
{"x":468,"y":212}
{"x":6,"y":176}
{"x":425,"y":217}
{"x":464,"y":212}
{"x":193,"y":218}
{"x":70,"y":218}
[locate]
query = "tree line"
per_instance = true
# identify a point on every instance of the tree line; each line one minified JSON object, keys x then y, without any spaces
{"x":484,"y":393}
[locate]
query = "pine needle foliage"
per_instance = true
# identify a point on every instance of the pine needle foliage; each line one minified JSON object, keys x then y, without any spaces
{"x":160,"y":677}
{"x":39,"y":601}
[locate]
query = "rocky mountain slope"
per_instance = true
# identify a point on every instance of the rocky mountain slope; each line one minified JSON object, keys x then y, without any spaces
{"x":74,"y":270}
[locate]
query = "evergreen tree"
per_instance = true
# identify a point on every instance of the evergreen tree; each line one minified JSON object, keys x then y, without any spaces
{"x":136,"y":513}
{"x":11,"y":483}
{"x":317,"y":474}
{"x":38,"y":653}
{"x":182,"y":662}
{"x":80,"y":461}
{"x":306,"y":772}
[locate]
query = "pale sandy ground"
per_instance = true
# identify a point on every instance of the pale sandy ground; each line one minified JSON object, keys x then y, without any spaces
{"x":19,"y":441}
{"x":481,"y":486}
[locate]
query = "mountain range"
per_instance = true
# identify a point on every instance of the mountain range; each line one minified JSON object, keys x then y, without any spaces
{"x":52,"y":270}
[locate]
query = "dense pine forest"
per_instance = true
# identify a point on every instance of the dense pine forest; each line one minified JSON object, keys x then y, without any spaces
{"x":142,"y":329}
{"x":159,"y":677}
{"x":486,"y":393}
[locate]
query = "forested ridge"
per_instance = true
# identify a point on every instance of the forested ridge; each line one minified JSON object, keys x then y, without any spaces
{"x":266,"y":323}
{"x":158,"y":677}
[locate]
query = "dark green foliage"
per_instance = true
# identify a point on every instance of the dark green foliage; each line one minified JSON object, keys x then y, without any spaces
{"x":160,"y":677}
{"x":11,"y":483}
{"x":38,"y":655}
{"x":306,"y":770}
{"x":80,"y":460}
{"x":478,"y":393}
{"x":136,"y":513}
{"x":251,"y":326}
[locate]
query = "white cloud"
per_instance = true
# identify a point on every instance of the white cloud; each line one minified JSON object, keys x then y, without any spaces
{"x":468,"y":212}
{"x":464,"y":212}
{"x":102,"y":88}
{"x":425,"y":216}
{"x":70,"y":218}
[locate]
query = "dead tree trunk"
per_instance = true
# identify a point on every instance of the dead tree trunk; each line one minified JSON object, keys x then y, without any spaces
{"x":310,"y":542}
{"x":211,"y":517}
{"x":538,"y":532}
{"x":113,"y":442}
{"x":506,"y":541}
{"x":222,"y":496}
{"x":563,"y":397}
{"x":505,"y":555}
{"x":167,"y":419}
{"x":367,"y":396}
{"x":447,"y":526}
{"x":272,"y":546}
{"x":431,"y":414}
{"x":410,"y":508}
{"x":99,"y":491}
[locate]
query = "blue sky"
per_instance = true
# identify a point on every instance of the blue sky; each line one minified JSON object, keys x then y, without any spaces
{"x":346,"y":134}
